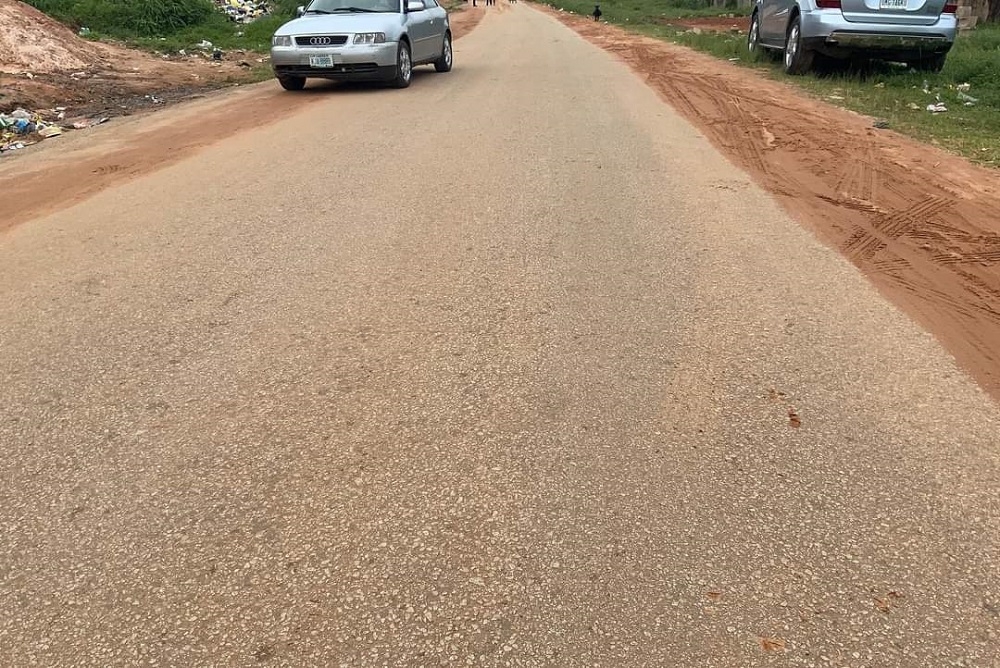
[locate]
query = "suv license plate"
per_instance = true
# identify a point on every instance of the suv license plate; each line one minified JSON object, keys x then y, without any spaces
{"x":892,"y":4}
{"x":327,"y":61}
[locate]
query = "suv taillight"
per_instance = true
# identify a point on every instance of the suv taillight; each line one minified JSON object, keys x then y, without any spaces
{"x":828,"y":4}
{"x":950,"y":8}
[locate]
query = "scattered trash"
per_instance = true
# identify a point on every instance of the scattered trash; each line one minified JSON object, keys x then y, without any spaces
{"x":734,"y":60}
{"x":964,"y":87}
{"x":153,"y":99}
{"x":927,"y":87}
{"x":29,"y":75}
{"x":835,"y":97}
{"x":22,"y":128}
{"x":937,"y":108}
{"x":880,"y":84}
{"x":182,"y":52}
{"x":205,"y":44}
{"x":16,"y":146}
{"x":881,"y":124}
{"x":217,"y":55}
{"x":80,"y":125}
{"x":242,"y":11}
{"x":967,"y":99}
{"x":913,"y":105}
{"x":84,"y":32}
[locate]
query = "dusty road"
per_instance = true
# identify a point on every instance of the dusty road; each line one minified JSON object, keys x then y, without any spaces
{"x":511,"y":368}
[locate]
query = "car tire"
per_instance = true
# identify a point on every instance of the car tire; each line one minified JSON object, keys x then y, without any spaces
{"x":934,"y":63}
{"x":753,"y":35}
{"x":443,"y":64}
{"x":404,"y":65}
{"x":798,"y":59}
{"x":292,"y":83}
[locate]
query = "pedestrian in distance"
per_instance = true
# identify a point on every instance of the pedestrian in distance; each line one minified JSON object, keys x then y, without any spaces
{"x":597,"y":13}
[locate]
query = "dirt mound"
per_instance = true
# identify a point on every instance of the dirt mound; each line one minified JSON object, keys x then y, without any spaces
{"x":32,"y":42}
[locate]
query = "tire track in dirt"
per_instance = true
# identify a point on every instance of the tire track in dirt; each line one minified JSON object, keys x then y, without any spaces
{"x":59,"y":176}
{"x":922,"y":224}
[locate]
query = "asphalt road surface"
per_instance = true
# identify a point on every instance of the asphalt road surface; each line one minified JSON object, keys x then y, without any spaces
{"x":510,"y":368}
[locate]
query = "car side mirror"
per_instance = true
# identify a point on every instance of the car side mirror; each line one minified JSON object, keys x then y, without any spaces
{"x":415,"y":6}
{"x":299,"y":11}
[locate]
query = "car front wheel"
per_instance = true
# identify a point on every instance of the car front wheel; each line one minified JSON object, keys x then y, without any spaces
{"x":443,"y":64}
{"x":798,"y":59}
{"x":404,"y":66}
{"x":292,"y":83}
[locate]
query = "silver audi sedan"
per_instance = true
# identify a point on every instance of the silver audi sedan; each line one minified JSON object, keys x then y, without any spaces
{"x":917,"y":32}
{"x":361,"y":40}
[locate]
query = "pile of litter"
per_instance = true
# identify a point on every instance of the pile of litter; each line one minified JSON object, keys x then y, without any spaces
{"x":242,"y":11}
{"x":939,"y":107}
{"x":22,"y":128}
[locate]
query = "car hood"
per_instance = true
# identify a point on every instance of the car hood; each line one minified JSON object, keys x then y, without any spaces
{"x":315,"y":24}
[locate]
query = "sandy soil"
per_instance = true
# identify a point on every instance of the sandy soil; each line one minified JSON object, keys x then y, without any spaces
{"x":32,"y":42}
{"x":922,"y":224}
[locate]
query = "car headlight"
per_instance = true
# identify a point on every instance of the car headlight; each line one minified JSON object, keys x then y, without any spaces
{"x":281,"y":40}
{"x":369,"y":38}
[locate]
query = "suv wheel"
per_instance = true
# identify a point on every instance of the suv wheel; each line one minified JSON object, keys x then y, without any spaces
{"x":798,"y":59}
{"x":753,"y":37}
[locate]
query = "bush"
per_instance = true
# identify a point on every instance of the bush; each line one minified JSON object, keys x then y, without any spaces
{"x":128,"y":18}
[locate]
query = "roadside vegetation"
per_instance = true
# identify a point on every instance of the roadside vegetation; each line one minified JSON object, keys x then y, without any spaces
{"x":171,"y":25}
{"x":889,"y":92}
{"x":167,"y":25}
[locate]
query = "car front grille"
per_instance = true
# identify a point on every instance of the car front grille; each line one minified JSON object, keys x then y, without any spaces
{"x":320,"y":41}
{"x":345,"y":69}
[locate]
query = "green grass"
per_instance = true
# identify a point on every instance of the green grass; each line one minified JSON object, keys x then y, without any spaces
{"x":221,"y":32}
{"x":167,"y":25}
{"x":890,"y":92}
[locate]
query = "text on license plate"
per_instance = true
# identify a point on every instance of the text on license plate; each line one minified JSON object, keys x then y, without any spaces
{"x":327,"y":61}
{"x":892,"y":4}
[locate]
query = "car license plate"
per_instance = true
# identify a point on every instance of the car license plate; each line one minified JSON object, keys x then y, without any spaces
{"x":892,"y":4}
{"x":327,"y":61}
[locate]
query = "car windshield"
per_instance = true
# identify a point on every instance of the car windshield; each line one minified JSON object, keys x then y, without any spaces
{"x":351,"y":6}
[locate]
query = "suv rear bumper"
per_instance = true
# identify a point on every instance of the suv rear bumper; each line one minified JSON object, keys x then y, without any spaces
{"x":828,"y":32}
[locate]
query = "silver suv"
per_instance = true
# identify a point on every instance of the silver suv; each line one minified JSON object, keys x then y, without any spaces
{"x":361,"y":40}
{"x":917,"y":32}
